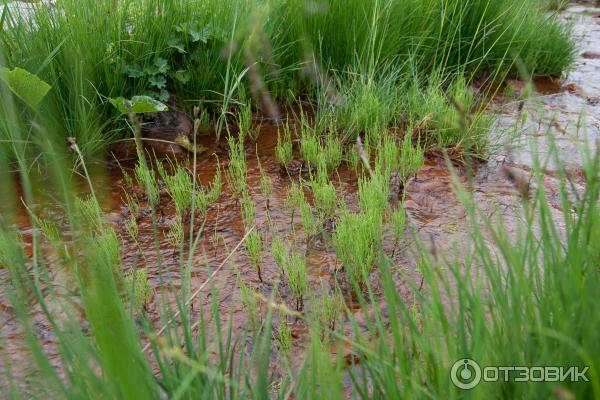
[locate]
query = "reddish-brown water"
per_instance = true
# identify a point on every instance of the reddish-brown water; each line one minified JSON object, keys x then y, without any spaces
{"x":433,"y":210}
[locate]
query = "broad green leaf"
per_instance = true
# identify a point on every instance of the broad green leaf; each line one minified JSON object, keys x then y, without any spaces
{"x":162,"y":65}
{"x":158,"y":81}
{"x":25,"y":85}
{"x":139,"y":105}
{"x":175,"y":43}
{"x":133,"y":71}
{"x":199,"y":35}
{"x":182,"y":76}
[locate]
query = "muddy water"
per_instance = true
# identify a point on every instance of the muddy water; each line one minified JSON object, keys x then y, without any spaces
{"x":570,"y":107}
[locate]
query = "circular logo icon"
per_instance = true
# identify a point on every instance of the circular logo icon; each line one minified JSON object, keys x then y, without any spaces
{"x":465,"y":374}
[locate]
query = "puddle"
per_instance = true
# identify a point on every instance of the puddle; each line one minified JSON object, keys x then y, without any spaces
{"x":433,"y":210}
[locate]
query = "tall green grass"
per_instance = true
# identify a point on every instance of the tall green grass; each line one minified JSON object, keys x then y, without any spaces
{"x":189,"y":52}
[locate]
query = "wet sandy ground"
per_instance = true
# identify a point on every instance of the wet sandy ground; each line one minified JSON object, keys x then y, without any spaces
{"x":570,"y":108}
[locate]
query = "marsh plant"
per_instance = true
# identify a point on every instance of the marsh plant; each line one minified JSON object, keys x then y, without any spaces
{"x":205,"y":196}
{"x":237,"y":170}
{"x":266,"y":183}
{"x":139,"y":289}
{"x":90,"y":213}
{"x":250,"y":300}
{"x":284,"y":335}
{"x":386,"y":158}
{"x":311,"y":223}
{"x":357,"y":243}
{"x":373,"y":194}
{"x":176,"y":233}
{"x":310,"y":147}
{"x":325,"y":197}
{"x":449,"y":118}
{"x":248,"y":210}
{"x":180,"y":187}
{"x":410,"y":159}
{"x":146,"y":177}
{"x":295,"y":271}
{"x":245,"y":122}
{"x":284,"y":149}
{"x":131,"y":227}
{"x":294,"y":198}
{"x":327,"y":308}
{"x":279,"y":253}
{"x":333,"y":149}
{"x":254,"y":246}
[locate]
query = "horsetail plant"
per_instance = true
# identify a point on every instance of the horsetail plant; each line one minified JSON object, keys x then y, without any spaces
{"x":283,"y":149}
{"x":295,"y":269}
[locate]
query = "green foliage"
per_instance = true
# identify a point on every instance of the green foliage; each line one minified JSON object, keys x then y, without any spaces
{"x":283,"y":150}
{"x":295,"y":270}
{"x":250,"y":301}
{"x":25,"y":85}
{"x":254,"y":246}
{"x":325,"y":197}
{"x":138,"y":105}
{"x":357,"y":243}
{"x":284,"y":336}
{"x":237,"y":170}
{"x":398,"y":221}
{"x":147,"y":178}
{"x":326,"y":311}
{"x":310,"y":223}
{"x":180,"y":188}
{"x":131,"y":227}
{"x":410,"y":159}
{"x":176,"y":233}
{"x":279,"y":252}
{"x":139,"y":289}
{"x":449,"y":118}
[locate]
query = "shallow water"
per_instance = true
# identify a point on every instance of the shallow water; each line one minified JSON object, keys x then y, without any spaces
{"x":434,"y":212}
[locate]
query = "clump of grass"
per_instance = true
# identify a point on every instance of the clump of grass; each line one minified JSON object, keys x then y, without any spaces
{"x":254,"y":246}
{"x":205,"y":197}
{"x":357,"y":243}
{"x":368,"y":105}
{"x":279,"y":252}
{"x":410,"y":159}
{"x":325,"y":197}
{"x":237,"y":170}
{"x":295,"y":270}
{"x":139,"y":289}
{"x":90,"y":212}
{"x":245,"y":122}
{"x":176,"y":233}
{"x":373,"y":194}
{"x":310,"y":222}
{"x":131,"y":227}
{"x":294,"y":198}
{"x":250,"y":301}
{"x":284,"y":336}
{"x":310,"y":147}
{"x":451,"y":118}
{"x":283,"y":149}
{"x":147,"y":179}
{"x":327,"y":310}
{"x":180,"y":187}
